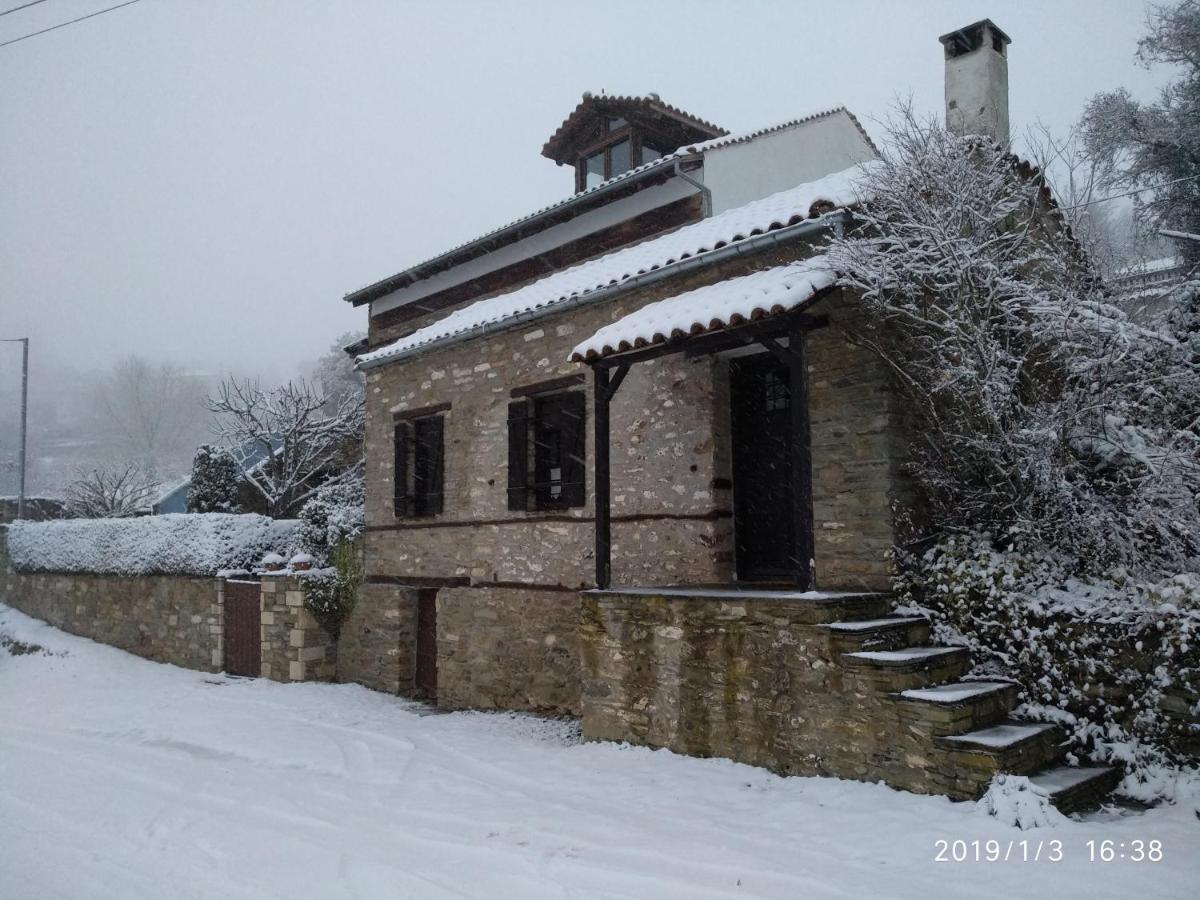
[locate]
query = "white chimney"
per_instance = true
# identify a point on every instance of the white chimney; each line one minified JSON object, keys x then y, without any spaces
{"x":977,"y":80}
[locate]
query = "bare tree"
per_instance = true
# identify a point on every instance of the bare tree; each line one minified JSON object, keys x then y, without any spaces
{"x":286,"y":441}
{"x":152,"y":411}
{"x":110,"y":491}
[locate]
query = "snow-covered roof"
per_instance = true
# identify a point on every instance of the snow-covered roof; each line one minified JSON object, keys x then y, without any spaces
{"x":1152,"y":265}
{"x":712,"y":307}
{"x":692,"y":151}
{"x":732,"y":226}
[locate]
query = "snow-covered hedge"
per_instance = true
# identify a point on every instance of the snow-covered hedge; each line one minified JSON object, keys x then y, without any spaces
{"x":177,"y":544}
{"x":1113,"y":658}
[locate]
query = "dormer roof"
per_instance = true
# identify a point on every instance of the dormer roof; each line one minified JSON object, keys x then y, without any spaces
{"x":650,"y":112}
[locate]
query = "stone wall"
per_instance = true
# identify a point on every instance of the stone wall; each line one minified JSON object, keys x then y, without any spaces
{"x":759,"y":681}
{"x":377,"y":643}
{"x":294,"y":645}
{"x":672,"y":500}
{"x":169,"y":619}
{"x":508,"y":648}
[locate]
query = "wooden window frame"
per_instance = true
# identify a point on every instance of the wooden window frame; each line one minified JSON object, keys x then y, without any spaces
{"x":415,"y":435}
{"x":604,"y":145}
{"x":529,"y":487}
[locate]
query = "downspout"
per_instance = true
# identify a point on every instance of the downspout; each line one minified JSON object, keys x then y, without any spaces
{"x":705,"y":193}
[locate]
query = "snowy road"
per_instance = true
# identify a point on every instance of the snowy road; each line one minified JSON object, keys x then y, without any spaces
{"x":124,"y":778}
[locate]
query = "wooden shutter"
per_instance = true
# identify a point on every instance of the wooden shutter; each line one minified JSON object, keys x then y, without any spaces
{"x":518,"y":455}
{"x":434,"y":441}
{"x":401,"y":446}
{"x":574,"y":446}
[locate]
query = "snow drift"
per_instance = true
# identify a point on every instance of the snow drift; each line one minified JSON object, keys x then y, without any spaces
{"x":176,"y":544}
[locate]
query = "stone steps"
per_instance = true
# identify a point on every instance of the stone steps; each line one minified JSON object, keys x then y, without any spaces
{"x":913,"y":667}
{"x":1072,"y":789}
{"x":957,"y":707}
{"x":1021,"y":748}
{"x":887,"y":633}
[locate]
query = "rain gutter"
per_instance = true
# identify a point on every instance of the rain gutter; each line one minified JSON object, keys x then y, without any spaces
{"x":750,"y":245}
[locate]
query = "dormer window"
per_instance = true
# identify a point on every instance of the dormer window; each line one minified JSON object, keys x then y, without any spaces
{"x":607,"y":136}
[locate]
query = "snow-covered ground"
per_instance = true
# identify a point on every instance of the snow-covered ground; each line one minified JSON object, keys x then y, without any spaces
{"x":124,"y":778}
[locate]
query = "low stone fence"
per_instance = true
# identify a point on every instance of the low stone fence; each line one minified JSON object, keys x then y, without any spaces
{"x":173,"y":619}
{"x":294,"y":645}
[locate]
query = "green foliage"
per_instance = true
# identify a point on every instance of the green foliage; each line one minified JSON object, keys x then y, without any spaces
{"x":330,"y":594}
{"x":1114,"y":660}
{"x":215,"y":479}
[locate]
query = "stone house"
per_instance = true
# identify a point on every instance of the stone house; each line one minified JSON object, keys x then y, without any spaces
{"x":623,"y":461}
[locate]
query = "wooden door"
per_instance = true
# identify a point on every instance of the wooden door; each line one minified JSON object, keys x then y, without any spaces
{"x":243,"y":628}
{"x":426,"y":674}
{"x":762,"y":468}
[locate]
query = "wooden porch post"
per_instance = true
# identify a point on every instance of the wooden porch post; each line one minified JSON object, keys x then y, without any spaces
{"x":802,"y":487}
{"x":601,"y":397}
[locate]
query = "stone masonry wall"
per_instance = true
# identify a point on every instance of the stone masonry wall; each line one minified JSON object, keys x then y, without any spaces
{"x":672,"y":500}
{"x":377,"y":643}
{"x":507,"y":648}
{"x":757,"y":681}
{"x":169,"y":619}
{"x":294,"y":645}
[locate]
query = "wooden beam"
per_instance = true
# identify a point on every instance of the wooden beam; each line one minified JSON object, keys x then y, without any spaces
{"x":602,"y":395}
{"x":802,"y":485}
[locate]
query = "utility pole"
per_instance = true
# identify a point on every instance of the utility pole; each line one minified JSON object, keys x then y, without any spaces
{"x":24,"y":417}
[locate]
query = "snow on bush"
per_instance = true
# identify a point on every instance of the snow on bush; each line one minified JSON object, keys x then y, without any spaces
{"x":176,"y":544}
{"x":1018,"y":802}
{"x":331,"y":523}
{"x":1113,"y":659}
{"x":1034,"y":402}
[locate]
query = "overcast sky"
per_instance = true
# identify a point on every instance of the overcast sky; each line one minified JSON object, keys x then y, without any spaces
{"x":204,"y":181}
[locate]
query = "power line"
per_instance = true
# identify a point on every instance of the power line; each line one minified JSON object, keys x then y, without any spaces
{"x":22,"y":6}
{"x":1125,"y":194}
{"x":26,"y":37}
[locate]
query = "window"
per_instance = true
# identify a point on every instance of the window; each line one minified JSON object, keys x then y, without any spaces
{"x":618,"y":158}
{"x":419,"y":466}
{"x":594,"y":168}
{"x":546,"y":451}
{"x":649,"y":154}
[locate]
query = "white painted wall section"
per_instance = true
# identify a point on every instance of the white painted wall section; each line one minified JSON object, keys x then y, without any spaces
{"x":740,"y":173}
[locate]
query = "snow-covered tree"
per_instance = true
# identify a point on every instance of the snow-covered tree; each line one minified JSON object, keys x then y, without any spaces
{"x":297,"y":443}
{"x":1027,"y":387}
{"x":1155,"y":147}
{"x":334,"y":372}
{"x":215,"y":481}
{"x":110,"y":491}
{"x":333,"y":515}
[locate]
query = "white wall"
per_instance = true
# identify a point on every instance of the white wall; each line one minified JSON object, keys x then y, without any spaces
{"x":740,"y":173}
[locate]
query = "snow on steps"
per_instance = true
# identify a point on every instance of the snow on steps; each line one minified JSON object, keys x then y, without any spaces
{"x":1017,"y":747}
{"x":910,"y":667}
{"x":1072,"y":788}
{"x":956,"y":707}
{"x":889,"y":633}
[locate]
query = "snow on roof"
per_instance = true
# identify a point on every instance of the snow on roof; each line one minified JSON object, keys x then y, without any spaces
{"x":712,"y":307}
{"x":1152,"y":265}
{"x":732,"y":226}
{"x":378,"y":288}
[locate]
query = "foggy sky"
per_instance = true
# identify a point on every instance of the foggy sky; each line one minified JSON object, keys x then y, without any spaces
{"x":203,"y":181}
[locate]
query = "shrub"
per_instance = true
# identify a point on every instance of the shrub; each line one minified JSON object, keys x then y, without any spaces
{"x":176,"y":544}
{"x":1115,"y":660}
{"x":215,"y":481}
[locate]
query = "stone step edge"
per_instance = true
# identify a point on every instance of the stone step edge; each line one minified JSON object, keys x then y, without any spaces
{"x":987,"y":740}
{"x":1064,"y":783}
{"x":931,"y":695}
{"x":912,"y":659}
{"x":866,"y":626}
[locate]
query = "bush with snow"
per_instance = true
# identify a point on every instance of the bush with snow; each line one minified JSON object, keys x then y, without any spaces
{"x":1018,"y":802}
{"x":333,"y":515}
{"x":216,"y":477}
{"x":177,"y":544}
{"x":1115,"y":660}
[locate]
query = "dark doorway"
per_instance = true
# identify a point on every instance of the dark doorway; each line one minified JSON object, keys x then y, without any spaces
{"x":426,"y":674}
{"x":762,"y":468}
{"x":243,"y":628}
